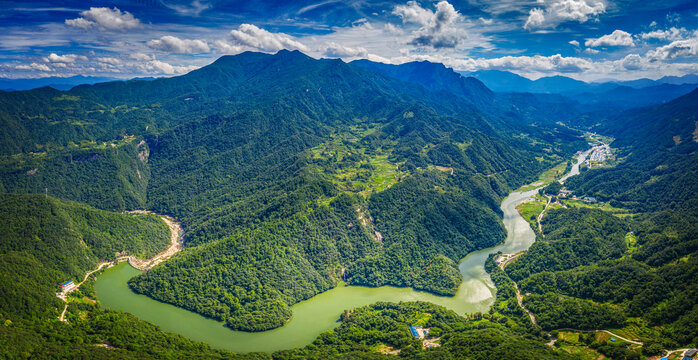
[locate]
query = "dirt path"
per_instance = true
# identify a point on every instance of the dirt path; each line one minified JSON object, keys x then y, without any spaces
{"x":62,"y":317}
{"x":540,"y":216}
{"x":176,"y":244}
{"x":64,"y":294}
{"x":519,"y":299}
{"x":607,"y":332}
{"x":681,"y":351}
{"x":510,"y":260}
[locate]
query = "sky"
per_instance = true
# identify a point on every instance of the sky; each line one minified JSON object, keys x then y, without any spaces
{"x":591,"y":40}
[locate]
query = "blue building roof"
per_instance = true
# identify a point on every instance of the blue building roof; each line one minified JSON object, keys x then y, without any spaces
{"x":413,"y":330}
{"x":67,"y":282}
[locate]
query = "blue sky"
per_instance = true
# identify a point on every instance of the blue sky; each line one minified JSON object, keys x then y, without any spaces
{"x":584,"y":39}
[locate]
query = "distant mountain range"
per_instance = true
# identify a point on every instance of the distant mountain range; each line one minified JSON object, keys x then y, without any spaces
{"x":616,"y":94}
{"x":504,"y":81}
{"x":58,"y":83}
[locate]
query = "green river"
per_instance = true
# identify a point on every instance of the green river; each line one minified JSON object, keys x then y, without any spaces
{"x":320,"y":313}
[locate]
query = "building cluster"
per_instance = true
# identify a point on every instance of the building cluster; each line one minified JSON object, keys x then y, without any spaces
{"x":598,"y":155}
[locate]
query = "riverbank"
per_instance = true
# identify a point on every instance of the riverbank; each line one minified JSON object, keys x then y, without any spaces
{"x":176,"y":244}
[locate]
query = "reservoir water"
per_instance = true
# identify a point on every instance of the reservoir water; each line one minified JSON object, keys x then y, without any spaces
{"x":321,"y":312}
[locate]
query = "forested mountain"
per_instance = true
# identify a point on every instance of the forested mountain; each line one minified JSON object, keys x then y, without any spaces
{"x":285,"y":170}
{"x":435,"y":77}
{"x":660,"y":161}
{"x":505,"y":81}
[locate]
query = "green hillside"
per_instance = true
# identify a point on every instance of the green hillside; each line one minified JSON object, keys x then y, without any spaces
{"x":636,"y":274}
{"x":45,"y":241}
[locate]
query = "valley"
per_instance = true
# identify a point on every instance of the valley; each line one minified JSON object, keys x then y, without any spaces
{"x":329,"y":206}
{"x":321,"y":313}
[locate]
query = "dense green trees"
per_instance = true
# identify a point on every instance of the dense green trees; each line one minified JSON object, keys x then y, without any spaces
{"x":362,"y":330}
{"x":574,"y":237}
{"x":72,"y":237}
{"x":557,"y":312}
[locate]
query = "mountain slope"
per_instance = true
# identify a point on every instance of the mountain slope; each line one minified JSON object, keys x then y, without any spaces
{"x":50,"y":241}
{"x":435,"y":77}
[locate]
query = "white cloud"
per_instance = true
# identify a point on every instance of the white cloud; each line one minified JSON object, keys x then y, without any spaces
{"x":529,"y":64}
{"x":109,"y":60}
{"x":142,"y":57}
{"x":677,"y":49}
{"x":535,"y":19}
{"x":574,"y":43}
{"x":104,"y":18}
{"x":616,"y":38}
{"x":252,"y":37}
{"x":67,"y":58}
{"x":486,"y":21}
{"x":173,"y":44}
{"x":591,"y":51}
{"x":559,"y":11}
{"x":34,"y":66}
{"x":653,"y":24}
{"x":556,"y":63}
{"x":632,"y":62}
{"x":160,"y":67}
{"x":437,"y":28}
{"x":671,"y":34}
{"x":339,"y":51}
{"x":393,"y":29}
{"x":673,"y":17}
{"x":224,"y":47}
{"x":193,"y":9}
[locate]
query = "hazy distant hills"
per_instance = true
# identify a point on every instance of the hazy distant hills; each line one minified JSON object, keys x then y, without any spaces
{"x":504,"y":81}
{"x":58,"y":83}
{"x":615,"y":94}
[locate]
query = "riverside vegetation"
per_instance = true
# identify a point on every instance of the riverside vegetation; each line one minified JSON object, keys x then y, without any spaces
{"x":289,"y":173}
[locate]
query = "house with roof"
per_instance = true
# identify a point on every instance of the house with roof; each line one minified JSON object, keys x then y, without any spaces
{"x":67,"y":286}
